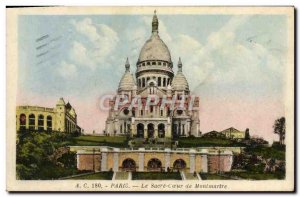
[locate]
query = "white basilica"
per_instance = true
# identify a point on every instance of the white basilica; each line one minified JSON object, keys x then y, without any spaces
{"x":154,"y":76}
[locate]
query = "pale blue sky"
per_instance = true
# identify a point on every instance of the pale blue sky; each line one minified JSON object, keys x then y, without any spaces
{"x":236,"y":64}
{"x":220,"y":53}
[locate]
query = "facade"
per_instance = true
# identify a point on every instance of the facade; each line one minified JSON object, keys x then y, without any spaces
{"x":154,"y":159}
{"x":152,"y":128}
{"x":233,"y":133}
{"x":154,"y":76}
{"x":60,"y":118}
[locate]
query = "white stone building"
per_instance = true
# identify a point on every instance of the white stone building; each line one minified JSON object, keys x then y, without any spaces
{"x":154,"y":76}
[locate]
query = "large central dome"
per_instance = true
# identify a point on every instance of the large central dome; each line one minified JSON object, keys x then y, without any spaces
{"x":155,"y":48}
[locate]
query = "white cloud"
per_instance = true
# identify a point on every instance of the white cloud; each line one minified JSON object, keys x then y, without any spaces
{"x":80,"y":55}
{"x":102,"y":42}
{"x":67,"y":70}
{"x":87,"y":28}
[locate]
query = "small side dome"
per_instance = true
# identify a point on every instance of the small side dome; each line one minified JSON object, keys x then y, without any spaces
{"x":127,"y":82}
{"x":60,"y":102}
{"x":179,"y":82}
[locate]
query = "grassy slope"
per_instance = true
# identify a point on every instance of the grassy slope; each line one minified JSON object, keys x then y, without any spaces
{"x":198,"y":142}
{"x":88,"y":140}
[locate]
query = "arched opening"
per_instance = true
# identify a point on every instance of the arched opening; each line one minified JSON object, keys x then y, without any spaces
{"x":161,"y":130}
{"x":174,"y":131}
{"x":154,"y":165}
{"x":49,"y":123}
{"x":150,"y":129}
{"x":31,"y":122}
{"x":179,"y":164}
{"x":40,"y":122}
{"x":22,"y":122}
{"x":128,"y":165}
{"x":140,"y":130}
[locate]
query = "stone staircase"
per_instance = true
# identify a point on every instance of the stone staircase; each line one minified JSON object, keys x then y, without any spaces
{"x":189,"y":176}
{"x":122,"y":176}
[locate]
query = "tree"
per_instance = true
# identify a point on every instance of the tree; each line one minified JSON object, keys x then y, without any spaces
{"x":247,"y":134}
{"x":279,"y":128}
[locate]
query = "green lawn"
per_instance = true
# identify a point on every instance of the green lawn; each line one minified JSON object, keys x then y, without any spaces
{"x":156,"y":176}
{"x":206,"y":176}
{"x":95,"y":176}
{"x":267,"y":152}
{"x":201,"y":141}
{"x":88,"y":140}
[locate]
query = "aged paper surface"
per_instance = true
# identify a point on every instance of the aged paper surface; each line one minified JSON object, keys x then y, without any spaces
{"x":150,"y":99}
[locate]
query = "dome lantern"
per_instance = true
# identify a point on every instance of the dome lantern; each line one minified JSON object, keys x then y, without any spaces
{"x":155,"y":23}
{"x":179,"y":65}
{"x":127,"y":65}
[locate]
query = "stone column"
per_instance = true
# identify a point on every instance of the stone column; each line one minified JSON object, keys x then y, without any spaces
{"x":116,"y":160}
{"x":141,"y":160}
{"x":167,"y":158}
{"x":192,"y":161}
{"x":78,"y":160}
{"x":204,"y":162}
{"x":104,"y":161}
{"x":145,"y":131}
{"x":155,"y":132}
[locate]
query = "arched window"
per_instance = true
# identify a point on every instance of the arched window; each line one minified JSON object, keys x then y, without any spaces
{"x":179,"y":164}
{"x":150,"y":129}
{"x":22,"y":122}
{"x":49,"y":123}
{"x":41,"y":122}
{"x":164,"y":82}
{"x":154,"y":165}
{"x":161,"y":130}
{"x":31,"y":122}
{"x":143,"y":80}
{"x":128,"y":165}
{"x":140,"y":130}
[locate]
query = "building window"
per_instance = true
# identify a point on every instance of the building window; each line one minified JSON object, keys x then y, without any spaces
{"x":151,"y":109}
{"x":139,"y":83}
{"x":31,"y":122}
{"x":159,"y":81}
{"x":148,"y":63}
{"x":161,"y":112}
{"x":142,"y":112}
{"x":164,"y":82}
{"x":183,"y":129}
{"x":126,"y":111}
{"x":49,"y":123}
{"x":168,"y":83}
{"x":22,"y":122}
{"x":153,"y":63}
{"x":164,"y":64}
{"x":41,"y":122}
{"x":143,"y":82}
{"x":159,"y":63}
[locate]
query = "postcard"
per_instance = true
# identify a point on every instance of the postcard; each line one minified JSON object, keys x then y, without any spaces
{"x":151,"y":99}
